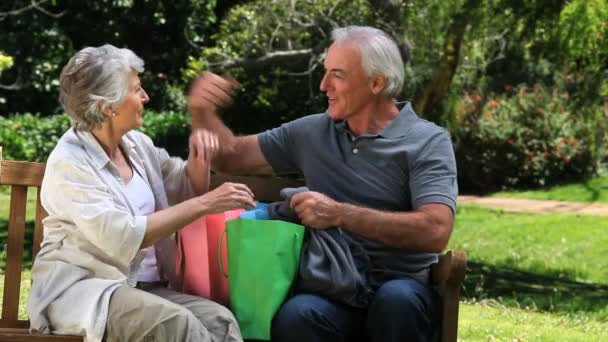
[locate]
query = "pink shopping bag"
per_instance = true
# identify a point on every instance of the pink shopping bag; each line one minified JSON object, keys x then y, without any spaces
{"x":197,"y":258}
{"x":193,"y":259}
{"x":216,"y":223}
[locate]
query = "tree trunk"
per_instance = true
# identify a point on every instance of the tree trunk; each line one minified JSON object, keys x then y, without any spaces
{"x":437,"y":88}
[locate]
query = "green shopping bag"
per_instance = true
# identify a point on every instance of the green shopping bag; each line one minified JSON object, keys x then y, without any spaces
{"x":263,"y":257}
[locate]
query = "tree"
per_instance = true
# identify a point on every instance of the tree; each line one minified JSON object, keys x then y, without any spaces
{"x":162,"y":32}
{"x":436,"y":89}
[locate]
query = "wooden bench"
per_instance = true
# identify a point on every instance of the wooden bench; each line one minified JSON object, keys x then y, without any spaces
{"x":448,"y":274}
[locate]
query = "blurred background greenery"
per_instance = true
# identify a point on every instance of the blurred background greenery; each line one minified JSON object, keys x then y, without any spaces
{"x":521,"y":84}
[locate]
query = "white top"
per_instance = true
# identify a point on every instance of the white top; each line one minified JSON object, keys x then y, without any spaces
{"x":142,"y":199}
{"x":93,"y":232}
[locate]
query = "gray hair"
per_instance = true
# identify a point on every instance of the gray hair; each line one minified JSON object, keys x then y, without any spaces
{"x":379,"y":54}
{"x":94,"y":79}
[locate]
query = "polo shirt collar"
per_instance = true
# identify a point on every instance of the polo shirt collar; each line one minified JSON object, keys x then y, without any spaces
{"x":396,"y":129}
{"x":401,"y":123}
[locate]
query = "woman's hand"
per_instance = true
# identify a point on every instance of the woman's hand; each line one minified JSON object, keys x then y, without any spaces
{"x":204,"y":145}
{"x":227,"y":196}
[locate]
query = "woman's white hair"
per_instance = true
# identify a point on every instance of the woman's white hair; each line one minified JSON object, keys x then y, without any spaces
{"x":94,"y":79}
{"x":379,"y":54}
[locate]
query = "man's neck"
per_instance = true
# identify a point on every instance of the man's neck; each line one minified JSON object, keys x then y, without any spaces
{"x":373,"y":119}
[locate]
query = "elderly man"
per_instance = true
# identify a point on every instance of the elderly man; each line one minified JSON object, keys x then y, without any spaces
{"x":384,"y":176}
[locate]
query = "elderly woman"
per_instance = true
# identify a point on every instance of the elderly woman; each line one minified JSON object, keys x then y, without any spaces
{"x":106,"y":268}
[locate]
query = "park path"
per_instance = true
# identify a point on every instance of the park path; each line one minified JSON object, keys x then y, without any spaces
{"x":536,"y":206}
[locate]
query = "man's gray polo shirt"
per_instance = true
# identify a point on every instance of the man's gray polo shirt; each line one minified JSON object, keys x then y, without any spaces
{"x":409,"y":163}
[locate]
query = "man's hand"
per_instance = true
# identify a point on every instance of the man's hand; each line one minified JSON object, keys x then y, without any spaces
{"x":316,"y":210}
{"x":211,"y":92}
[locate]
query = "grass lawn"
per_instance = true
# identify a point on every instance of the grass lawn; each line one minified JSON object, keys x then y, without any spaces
{"x":491,"y":321}
{"x":548,"y":262}
{"x":592,"y":190}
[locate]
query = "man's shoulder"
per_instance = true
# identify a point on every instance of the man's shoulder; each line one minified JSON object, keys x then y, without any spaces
{"x":428,"y":128}
{"x":311,"y":119}
{"x":303,"y":126}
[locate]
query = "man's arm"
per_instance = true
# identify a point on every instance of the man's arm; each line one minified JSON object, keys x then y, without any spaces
{"x":209,"y":93}
{"x":426,"y":229}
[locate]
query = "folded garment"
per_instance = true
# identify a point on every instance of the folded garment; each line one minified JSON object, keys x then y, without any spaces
{"x":332,"y":263}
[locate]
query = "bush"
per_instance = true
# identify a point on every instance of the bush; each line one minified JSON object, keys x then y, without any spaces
{"x":32,"y":138}
{"x":527,"y":137}
{"x":169,"y":130}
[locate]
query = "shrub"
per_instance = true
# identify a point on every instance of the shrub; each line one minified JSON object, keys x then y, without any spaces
{"x":527,"y":137}
{"x":32,"y":138}
{"x":169,"y":130}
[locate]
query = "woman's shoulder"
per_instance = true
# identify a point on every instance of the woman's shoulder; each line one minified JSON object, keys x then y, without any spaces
{"x":68,"y":148}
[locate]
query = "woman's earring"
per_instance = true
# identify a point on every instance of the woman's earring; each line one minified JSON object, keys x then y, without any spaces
{"x":113,"y":113}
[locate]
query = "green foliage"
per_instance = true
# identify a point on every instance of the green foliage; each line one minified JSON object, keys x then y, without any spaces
{"x":32,"y":138}
{"x":525,"y":138}
{"x":5,"y":61}
{"x":162,"y":32}
{"x":169,"y":130}
{"x":584,"y":31}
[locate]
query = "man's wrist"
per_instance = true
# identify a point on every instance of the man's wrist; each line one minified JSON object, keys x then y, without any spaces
{"x":341,"y":214}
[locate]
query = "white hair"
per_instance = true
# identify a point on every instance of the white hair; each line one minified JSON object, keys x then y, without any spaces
{"x":379,"y":54}
{"x":94,"y":79}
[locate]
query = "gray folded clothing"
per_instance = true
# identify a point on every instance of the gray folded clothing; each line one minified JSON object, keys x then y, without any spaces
{"x":327,"y":264}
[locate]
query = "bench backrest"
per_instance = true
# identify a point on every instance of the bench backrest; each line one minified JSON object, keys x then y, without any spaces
{"x":19,"y":176}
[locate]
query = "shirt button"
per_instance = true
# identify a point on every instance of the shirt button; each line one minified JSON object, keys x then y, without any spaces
{"x":355,"y":151}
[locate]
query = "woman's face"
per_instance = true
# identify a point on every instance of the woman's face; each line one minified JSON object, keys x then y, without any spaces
{"x":129,"y":113}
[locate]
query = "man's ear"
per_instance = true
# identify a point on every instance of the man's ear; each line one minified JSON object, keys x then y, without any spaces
{"x":377,"y":84}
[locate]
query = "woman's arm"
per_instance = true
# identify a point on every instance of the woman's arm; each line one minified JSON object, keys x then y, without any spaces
{"x":165,"y":222}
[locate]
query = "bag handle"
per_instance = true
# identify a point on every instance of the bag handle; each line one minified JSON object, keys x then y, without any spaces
{"x":219,"y":252}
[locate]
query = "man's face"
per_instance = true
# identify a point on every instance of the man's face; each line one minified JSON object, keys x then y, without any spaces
{"x":345,"y":83}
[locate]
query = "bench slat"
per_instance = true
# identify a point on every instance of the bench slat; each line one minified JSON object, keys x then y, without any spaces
{"x":12,"y":324}
{"x":22,"y":335}
{"x":21,"y":173}
{"x":14,"y":255}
